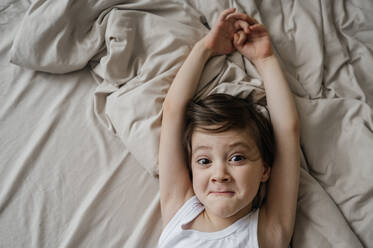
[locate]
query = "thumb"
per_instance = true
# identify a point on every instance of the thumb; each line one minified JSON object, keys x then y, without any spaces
{"x":239,"y":39}
{"x":235,"y":39}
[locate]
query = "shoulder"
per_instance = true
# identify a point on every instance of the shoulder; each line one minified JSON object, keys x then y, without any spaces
{"x":270,"y":232}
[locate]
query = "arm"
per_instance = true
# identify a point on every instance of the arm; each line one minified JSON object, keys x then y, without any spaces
{"x":278,"y":212}
{"x":282,"y":193}
{"x":175,"y":185}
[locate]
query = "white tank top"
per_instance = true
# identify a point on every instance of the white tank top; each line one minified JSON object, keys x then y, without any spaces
{"x":242,"y":233}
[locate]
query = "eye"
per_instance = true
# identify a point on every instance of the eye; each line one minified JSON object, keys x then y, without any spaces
{"x":237,"y":158}
{"x":203,"y":161}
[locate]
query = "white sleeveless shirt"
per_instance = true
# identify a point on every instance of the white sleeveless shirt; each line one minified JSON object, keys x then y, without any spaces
{"x":242,"y":233}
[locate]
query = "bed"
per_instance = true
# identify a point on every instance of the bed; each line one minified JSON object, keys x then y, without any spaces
{"x":82,"y":85}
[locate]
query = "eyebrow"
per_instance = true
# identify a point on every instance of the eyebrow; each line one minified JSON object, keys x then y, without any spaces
{"x":201,"y":148}
{"x":236,"y":144}
{"x":239,"y":143}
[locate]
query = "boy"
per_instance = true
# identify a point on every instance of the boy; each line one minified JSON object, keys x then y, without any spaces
{"x":208,"y":210}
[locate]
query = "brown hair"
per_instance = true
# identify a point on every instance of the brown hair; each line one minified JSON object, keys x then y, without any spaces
{"x":221,"y":112}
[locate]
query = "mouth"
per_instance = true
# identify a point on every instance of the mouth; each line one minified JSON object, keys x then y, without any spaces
{"x":222,"y":193}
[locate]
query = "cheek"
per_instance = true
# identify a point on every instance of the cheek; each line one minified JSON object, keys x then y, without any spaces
{"x":200,"y":181}
{"x":249,"y":178}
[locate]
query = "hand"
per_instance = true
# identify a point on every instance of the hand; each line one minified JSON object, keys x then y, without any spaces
{"x":220,"y":39}
{"x":254,"y":44}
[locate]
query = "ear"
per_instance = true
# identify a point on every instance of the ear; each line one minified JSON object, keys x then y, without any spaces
{"x":266,"y":173}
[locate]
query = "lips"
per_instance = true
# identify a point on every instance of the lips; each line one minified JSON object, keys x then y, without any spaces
{"x":222,"y":193}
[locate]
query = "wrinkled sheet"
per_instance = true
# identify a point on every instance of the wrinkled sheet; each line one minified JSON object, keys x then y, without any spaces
{"x":65,"y":180}
{"x":133,"y":50}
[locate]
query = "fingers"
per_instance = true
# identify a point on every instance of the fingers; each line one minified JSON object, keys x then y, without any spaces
{"x":226,"y":13}
{"x":258,"y":28}
{"x":242,"y":17}
{"x":242,"y":37}
{"x":239,"y":38}
{"x":235,"y":39}
{"x":242,"y":25}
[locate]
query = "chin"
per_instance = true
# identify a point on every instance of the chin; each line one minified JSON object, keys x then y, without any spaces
{"x":223,"y":208}
{"x":224,"y":212}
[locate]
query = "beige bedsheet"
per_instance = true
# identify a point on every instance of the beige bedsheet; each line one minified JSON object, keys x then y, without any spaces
{"x":65,"y":180}
{"x":132,"y":50}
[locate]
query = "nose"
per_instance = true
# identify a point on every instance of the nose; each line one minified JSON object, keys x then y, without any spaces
{"x":221,"y":174}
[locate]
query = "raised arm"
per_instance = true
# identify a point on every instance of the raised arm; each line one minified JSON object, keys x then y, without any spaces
{"x":175,"y":185}
{"x":278,"y":212}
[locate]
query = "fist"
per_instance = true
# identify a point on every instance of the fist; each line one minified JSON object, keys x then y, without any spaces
{"x":254,"y":43}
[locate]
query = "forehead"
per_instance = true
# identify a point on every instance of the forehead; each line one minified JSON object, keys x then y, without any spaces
{"x":227,"y":138}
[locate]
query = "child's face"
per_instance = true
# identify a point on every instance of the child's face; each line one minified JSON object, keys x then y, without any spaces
{"x":227,"y":170}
